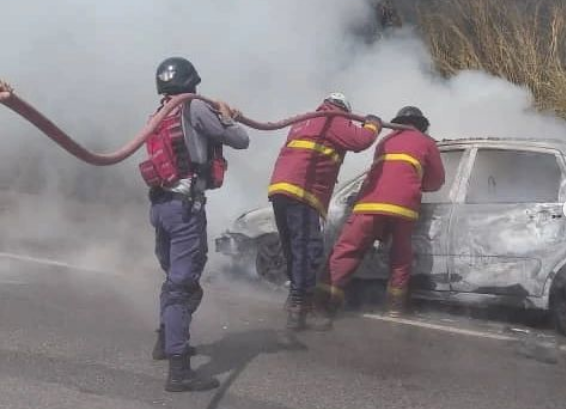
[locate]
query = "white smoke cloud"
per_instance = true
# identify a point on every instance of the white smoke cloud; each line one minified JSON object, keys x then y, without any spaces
{"x":89,"y":66}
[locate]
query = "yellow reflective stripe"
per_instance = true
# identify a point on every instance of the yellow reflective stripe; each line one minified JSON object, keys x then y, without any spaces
{"x":386,"y":208}
{"x":300,"y":193}
{"x":371,"y":127}
{"x":403,"y":157}
{"x":324,"y":150}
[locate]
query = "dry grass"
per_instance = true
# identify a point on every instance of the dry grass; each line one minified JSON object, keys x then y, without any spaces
{"x":520,"y":40}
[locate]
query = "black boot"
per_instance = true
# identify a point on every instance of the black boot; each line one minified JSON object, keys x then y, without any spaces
{"x":296,"y":318}
{"x":297,"y":310}
{"x":182,"y":378}
{"x":158,"y":353}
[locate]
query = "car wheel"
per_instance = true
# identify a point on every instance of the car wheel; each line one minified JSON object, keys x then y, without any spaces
{"x":270,"y":262}
{"x":558,"y":302}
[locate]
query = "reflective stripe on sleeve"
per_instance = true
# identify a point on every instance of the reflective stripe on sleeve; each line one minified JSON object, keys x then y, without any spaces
{"x":371,"y":127}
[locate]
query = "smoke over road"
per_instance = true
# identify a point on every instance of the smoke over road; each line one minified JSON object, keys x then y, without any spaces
{"x":89,"y":66}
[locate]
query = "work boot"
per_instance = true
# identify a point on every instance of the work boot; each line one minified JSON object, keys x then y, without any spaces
{"x":297,"y":306}
{"x":182,"y":378}
{"x":322,"y":320}
{"x":396,"y":302}
{"x":296,"y":318}
{"x":158,"y":353}
{"x":328,"y":301}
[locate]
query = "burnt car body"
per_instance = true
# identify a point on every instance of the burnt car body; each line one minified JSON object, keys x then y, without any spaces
{"x":494,"y":234}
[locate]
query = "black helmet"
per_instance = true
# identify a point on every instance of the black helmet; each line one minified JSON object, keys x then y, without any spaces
{"x":176,"y":75}
{"x":410,"y":115}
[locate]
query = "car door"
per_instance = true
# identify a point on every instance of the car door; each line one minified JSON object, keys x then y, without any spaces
{"x":431,"y":236}
{"x":510,"y":224}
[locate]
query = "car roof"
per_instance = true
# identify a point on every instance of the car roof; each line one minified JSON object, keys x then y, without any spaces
{"x":494,"y":142}
{"x":505,"y":143}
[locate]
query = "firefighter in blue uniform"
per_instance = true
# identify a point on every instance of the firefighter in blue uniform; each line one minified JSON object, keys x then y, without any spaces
{"x":191,"y":138}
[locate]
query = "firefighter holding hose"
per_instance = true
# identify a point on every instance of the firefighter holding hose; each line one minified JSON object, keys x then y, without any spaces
{"x":302,"y":183}
{"x":406,"y":163}
{"x":184,"y":141}
{"x":184,"y":160}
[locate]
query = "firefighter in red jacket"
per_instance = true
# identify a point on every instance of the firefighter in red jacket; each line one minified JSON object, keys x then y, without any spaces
{"x":301,"y":186}
{"x":405,"y":164}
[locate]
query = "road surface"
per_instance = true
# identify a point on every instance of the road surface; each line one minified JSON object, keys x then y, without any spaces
{"x":74,"y":338}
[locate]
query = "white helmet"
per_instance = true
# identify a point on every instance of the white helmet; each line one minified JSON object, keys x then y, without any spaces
{"x":339,"y":99}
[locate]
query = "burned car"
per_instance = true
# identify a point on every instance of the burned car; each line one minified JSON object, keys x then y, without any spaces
{"x":495,"y":234}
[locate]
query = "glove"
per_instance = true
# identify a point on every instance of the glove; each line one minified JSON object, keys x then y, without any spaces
{"x":373,"y":122}
{"x":373,"y":119}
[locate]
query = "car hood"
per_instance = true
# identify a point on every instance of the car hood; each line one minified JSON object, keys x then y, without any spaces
{"x":260,"y":221}
{"x":254,"y":223}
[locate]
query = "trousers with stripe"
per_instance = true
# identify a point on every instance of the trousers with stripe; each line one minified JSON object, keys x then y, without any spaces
{"x":358,"y":236}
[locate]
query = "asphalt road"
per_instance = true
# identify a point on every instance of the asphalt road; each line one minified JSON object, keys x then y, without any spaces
{"x":74,"y":339}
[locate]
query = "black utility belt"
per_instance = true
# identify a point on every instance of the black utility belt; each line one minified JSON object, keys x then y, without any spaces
{"x":162,"y":195}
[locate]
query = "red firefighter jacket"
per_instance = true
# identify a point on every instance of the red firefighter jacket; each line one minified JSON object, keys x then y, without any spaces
{"x":405,"y":164}
{"x":309,"y":162}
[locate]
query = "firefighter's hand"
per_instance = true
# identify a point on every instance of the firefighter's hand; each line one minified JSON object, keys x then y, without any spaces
{"x":226,"y":111}
{"x":236,"y":114}
{"x":5,"y":91}
{"x":372,"y":121}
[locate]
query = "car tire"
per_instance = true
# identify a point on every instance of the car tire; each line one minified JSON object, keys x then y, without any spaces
{"x":558,"y":302}
{"x":270,"y":260}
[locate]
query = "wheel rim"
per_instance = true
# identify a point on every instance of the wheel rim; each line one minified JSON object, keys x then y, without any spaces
{"x":270,"y":262}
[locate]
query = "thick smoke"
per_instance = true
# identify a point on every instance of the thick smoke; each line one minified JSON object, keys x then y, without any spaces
{"x":89,"y":66}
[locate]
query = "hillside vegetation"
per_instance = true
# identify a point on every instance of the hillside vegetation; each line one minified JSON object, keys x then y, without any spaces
{"x":520,"y":40}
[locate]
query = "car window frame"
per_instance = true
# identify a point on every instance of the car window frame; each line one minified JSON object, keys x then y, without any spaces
{"x":453,"y":192}
{"x":456,"y":184}
{"x":466,"y":177}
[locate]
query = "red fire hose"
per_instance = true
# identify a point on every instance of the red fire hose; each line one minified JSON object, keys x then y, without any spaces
{"x":18,"y":105}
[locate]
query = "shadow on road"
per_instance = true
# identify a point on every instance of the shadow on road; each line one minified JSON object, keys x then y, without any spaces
{"x":235,"y":351}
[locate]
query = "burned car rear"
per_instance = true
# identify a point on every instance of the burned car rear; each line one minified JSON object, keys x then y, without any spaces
{"x":495,"y":234}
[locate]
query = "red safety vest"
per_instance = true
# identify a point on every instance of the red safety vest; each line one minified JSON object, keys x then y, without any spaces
{"x":169,"y":160}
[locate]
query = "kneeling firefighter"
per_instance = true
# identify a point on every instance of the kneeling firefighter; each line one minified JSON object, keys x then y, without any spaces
{"x":301,"y":186}
{"x":185,"y":159}
{"x":405,"y":164}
